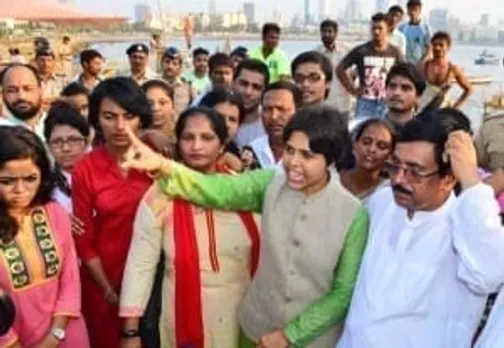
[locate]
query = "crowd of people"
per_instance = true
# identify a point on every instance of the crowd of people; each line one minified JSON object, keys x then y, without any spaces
{"x":338,"y":200}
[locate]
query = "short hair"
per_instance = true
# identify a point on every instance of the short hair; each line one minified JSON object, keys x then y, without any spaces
{"x":239,"y":51}
{"x":216,"y":122}
{"x":87,"y":56}
{"x":45,"y":52}
{"x":254,"y":65}
{"x":315,"y":58}
{"x":73,"y":89}
{"x":326,"y":129}
{"x":127,"y":94}
{"x":410,"y":72}
{"x":451,"y":119}
{"x":219,"y":59}
{"x":200,"y":51}
{"x":288,"y":86}
{"x":7,"y":313}
{"x":427,"y":129}
{"x":32,"y":69}
{"x":395,"y":9}
{"x":329,"y":23}
{"x":161,"y":84}
{"x":271,"y":27}
{"x":16,"y":51}
{"x":380,"y":17}
{"x":221,"y":95}
{"x":63,"y":114}
{"x":21,"y":143}
{"x":361,"y":128}
{"x":443,"y":36}
{"x":413,"y":3}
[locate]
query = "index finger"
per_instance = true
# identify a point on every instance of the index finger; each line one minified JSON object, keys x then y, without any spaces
{"x":132,"y":136}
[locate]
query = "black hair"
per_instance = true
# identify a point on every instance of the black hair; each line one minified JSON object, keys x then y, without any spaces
{"x":7,"y":313}
{"x":219,"y":59}
{"x":127,"y":94}
{"x":16,"y":51}
{"x":326,"y":129}
{"x":87,"y":56}
{"x":239,"y":51}
{"x":159,"y":84}
{"x":200,"y":51}
{"x":254,"y":65}
{"x":315,"y":58}
{"x":395,"y":9}
{"x":63,"y":114}
{"x":329,"y":23}
{"x":288,"y":86}
{"x":32,"y":69}
{"x":410,"y":72}
{"x":73,"y":89}
{"x":221,"y":95}
{"x":216,"y":122}
{"x":413,"y":3}
{"x":20,"y":143}
{"x":443,"y":36}
{"x":451,"y":119}
{"x":45,"y":52}
{"x":380,"y":17}
{"x":361,"y":128}
{"x":428,"y":128}
{"x":271,"y":27}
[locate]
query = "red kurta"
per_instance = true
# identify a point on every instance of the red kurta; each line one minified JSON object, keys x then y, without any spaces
{"x":106,"y":201}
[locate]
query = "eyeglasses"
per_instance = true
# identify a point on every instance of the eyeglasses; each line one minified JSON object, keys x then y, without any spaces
{"x":411,"y":173}
{"x":311,"y":78}
{"x":59,"y":143}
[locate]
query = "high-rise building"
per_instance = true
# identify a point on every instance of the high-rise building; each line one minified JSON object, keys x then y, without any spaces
{"x":381,"y":5}
{"x":307,"y":13}
{"x":142,"y":12}
{"x":438,"y":19}
{"x":249,"y":11}
{"x":212,"y":7}
{"x":323,"y":9}
{"x":353,"y":11}
{"x":485,"y":20}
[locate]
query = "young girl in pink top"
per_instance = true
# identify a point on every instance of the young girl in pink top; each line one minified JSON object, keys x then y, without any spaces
{"x":38,"y":263}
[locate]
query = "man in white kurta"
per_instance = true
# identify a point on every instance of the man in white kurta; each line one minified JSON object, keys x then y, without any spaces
{"x":432,"y":258}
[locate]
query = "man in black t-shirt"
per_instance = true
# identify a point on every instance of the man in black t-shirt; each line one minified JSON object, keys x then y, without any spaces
{"x":373,"y":60}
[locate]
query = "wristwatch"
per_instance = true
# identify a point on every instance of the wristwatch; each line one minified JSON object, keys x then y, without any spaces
{"x":130,"y":333}
{"x":58,"y":333}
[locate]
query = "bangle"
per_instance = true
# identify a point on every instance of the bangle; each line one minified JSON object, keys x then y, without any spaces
{"x":131,"y":333}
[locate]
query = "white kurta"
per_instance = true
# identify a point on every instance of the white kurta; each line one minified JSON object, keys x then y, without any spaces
{"x":424,"y":282}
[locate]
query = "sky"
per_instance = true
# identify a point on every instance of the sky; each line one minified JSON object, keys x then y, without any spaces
{"x":467,"y":10}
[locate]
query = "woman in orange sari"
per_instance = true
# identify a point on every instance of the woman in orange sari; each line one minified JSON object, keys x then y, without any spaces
{"x":210,"y":256}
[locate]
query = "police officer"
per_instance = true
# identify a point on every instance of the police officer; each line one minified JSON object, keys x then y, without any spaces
{"x":490,"y":142}
{"x":183,"y":91}
{"x":138,"y":56}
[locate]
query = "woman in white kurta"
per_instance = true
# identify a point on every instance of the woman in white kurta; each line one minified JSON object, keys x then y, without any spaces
{"x":210,"y":255}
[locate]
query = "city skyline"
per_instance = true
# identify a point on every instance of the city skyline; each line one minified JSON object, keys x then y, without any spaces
{"x":466,"y":10}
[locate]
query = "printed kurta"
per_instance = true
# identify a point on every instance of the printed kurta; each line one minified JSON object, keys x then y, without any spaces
{"x":310,"y":311}
{"x":106,"y":201}
{"x":227,"y":248}
{"x":39,"y":270}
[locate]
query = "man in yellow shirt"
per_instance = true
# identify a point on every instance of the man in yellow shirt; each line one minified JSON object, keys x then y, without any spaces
{"x":270,"y":54}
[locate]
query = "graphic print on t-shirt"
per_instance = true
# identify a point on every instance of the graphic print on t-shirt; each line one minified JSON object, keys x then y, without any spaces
{"x":375,"y":74}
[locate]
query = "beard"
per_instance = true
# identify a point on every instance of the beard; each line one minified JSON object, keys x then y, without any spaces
{"x":22,"y":112}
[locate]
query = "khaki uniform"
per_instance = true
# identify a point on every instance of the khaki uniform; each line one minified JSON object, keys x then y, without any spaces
{"x":490,"y":142}
{"x":183,"y":95}
{"x":51,"y":89}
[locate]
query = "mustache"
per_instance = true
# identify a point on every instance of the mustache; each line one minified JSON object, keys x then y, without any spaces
{"x":401,"y":189}
{"x":22,"y":102}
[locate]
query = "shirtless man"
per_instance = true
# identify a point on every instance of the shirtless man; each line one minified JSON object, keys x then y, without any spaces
{"x":440,"y":72}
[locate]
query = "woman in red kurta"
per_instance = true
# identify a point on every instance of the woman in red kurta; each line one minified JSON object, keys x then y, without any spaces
{"x":105,"y":198}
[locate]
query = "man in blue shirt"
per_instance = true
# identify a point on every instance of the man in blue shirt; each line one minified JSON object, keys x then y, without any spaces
{"x":417,"y":33}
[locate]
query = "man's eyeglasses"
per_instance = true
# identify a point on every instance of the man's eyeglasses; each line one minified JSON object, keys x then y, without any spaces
{"x":411,"y":173}
{"x":59,"y":143}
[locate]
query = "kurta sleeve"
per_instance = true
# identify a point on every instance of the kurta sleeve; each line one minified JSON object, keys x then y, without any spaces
{"x":478,"y":237}
{"x":82,"y":204}
{"x":331,"y":309}
{"x":8,"y":339}
{"x":143,"y":257}
{"x":243,"y":192}
{"x":68,"y":302}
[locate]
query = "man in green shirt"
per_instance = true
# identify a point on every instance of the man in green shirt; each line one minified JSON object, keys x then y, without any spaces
{"x":199,"y":76}
{"x":270,"y":54}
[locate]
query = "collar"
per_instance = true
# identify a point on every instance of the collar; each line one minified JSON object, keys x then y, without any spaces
{"x":51,"y":77}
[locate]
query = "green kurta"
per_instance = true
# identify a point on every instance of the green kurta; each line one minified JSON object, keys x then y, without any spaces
{"x":246,"y":192}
